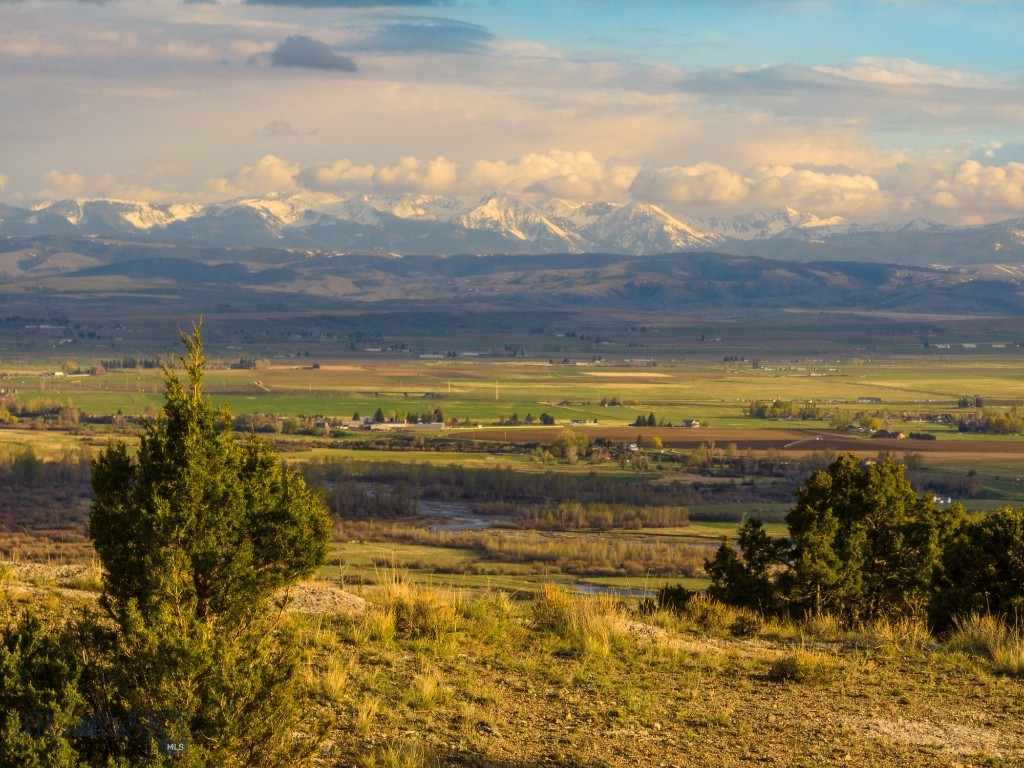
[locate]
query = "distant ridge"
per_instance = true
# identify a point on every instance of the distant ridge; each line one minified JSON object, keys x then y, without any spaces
{"x":433,"y":224}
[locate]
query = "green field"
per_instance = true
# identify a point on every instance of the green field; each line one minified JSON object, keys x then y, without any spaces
{"x":487,"y":393}
{"x":483,"y":391}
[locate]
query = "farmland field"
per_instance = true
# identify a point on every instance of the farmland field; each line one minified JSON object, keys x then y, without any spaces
{"x":486,"y":402}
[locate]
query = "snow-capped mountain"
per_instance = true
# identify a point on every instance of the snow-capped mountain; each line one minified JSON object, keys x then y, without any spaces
{"x":106,"y":217}
{"x":419,"y":207}
{"x":507,"y":224}
{"x":515,"y":218}
{"x":920,"y":224}
{"x":574,"y":214}
{"x":761,"y":226}
{"x":645,"y":228}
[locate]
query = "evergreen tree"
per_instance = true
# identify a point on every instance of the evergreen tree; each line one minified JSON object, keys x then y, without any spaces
{"x":199,"y":524}
{"x":864,"y":543}
{"x":747,"y":578}
{"x":197,"y":535}
{"x":983,"y":569}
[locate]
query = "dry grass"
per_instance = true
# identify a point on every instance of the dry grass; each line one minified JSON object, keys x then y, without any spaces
{"x":590,"y":626}
{"x":990,"y":637}
{"x":894,"y":635}
{"x":418,"y":611}
{"x":583,"y":670}
{"x":400,"y":755}
{"x":706,"y":614}
{"x":334,"y":679}
{"x":366,"y":713}
{"x":427,"y":690}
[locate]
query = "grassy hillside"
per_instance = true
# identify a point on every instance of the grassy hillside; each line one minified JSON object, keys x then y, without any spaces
{"x":419,"y":676}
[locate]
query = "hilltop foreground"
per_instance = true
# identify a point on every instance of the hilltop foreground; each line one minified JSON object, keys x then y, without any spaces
{"x":411,"y":676}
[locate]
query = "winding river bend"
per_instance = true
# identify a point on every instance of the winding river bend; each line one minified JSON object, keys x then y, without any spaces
{"x":459,"y":516}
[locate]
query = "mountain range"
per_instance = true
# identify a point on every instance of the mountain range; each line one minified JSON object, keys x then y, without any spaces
{"x":432,"y":224}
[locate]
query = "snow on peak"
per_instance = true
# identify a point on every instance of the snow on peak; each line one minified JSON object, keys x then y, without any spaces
{"x":419,"y":207}
{"x":645,"y":228}
{"x":513,"y":217}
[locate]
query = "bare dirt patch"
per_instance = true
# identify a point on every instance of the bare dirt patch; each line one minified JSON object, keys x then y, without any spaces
{"x":954,"y":738}
{"x":323,"y":597}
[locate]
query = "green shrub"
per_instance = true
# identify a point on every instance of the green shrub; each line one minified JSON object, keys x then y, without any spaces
{"x":39,"y":697}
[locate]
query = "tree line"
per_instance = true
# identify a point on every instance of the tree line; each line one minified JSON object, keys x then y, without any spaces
{"x":863,"y":545}
{"x":456,"y":483}
{"x":573,"y":515}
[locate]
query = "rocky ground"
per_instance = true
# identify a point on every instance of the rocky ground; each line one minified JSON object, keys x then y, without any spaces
{"x":414,"y":677}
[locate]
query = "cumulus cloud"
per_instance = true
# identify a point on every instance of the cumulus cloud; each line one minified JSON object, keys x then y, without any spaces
{"x":555,"y":173}
{"x":973,"y":186}
{"x":701,"y":184}
{"x":761,"y":186}
{"x":60,"y":185}
{"x":427,"y":35}
{"x":341,"y":175}
{"x":107,"y":185}
{"x":958,"y":187}
{"x":269,"y":174}
{"x":813,"y":189}
{"x":412,"y":175}
{"x":303,"y":51}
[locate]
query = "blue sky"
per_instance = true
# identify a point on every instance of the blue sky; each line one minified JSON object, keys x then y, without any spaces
{"x":868,"y":110}
{"x":696,"y":34}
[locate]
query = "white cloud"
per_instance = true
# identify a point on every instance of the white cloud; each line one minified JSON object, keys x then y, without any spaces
{"x":107,"y":185}
{"x":761,"y":186}
{"x":62,"y":185}
{"x":972,"y":186}
{"x":557,"y":173}
{"x":269,"y":174}
{"x":900,"y":72}
{"x":815,"y":190}
{"x":340,"y":176}
{"x":701,"y":184}
{"x":412,"y":175}
{"x":952,"y":184}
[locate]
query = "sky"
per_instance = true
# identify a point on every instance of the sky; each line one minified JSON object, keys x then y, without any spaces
{"x":871,"y":110}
